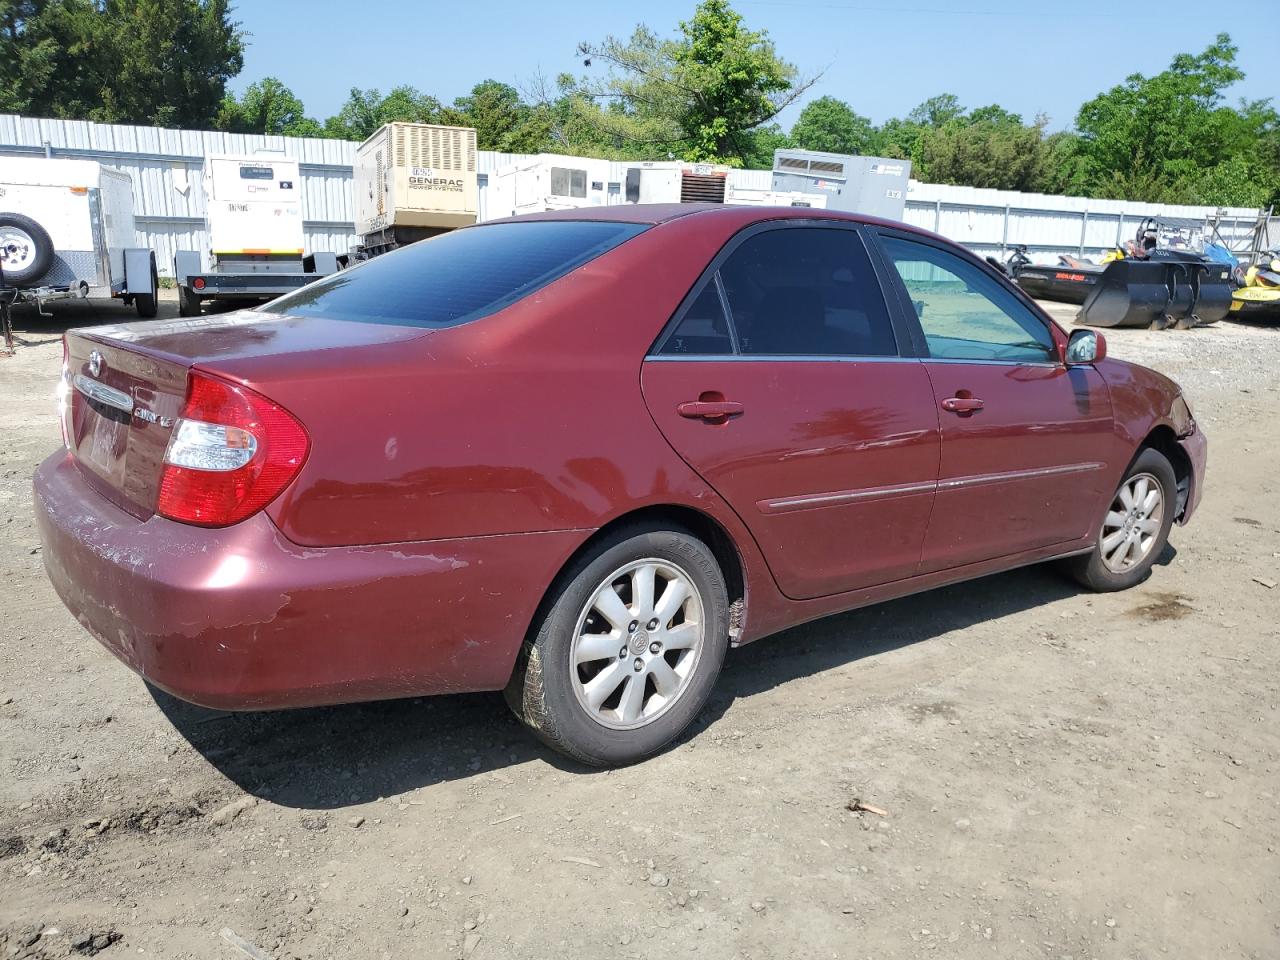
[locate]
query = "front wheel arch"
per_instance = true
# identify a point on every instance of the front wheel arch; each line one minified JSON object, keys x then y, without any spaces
{"x":1163,"y":439}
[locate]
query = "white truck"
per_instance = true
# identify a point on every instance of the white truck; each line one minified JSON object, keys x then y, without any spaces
{"x":67,"y":232}
{"x":253,"y":205}
{"x":413,"y":181}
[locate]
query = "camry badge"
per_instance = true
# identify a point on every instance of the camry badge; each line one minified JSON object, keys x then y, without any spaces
{"x":95,"y":363}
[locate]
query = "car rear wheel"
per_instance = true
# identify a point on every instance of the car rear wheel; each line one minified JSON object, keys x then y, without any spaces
{"x":627,"y":650}
{"x":1134,"y":529}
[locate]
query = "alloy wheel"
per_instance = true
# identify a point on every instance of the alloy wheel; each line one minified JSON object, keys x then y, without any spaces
{"x":637,"y":643}
{"x":1132,"y":525}
{"x":17,"y":249}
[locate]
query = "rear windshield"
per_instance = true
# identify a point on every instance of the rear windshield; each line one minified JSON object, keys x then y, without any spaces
{"x":458,"y":276}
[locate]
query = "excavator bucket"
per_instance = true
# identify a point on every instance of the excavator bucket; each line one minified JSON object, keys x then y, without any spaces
{"x":1159,"y":293}
{"x":1130,"y":293}
{"x":1213,"y":293}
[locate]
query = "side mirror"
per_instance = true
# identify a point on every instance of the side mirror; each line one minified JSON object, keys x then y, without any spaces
{"x":1086,"y":346}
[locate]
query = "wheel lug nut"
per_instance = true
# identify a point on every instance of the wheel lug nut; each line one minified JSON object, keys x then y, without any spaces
{"x":639,"y":664}
{"x":633,"y":626}
{"x":655,"y":647}
{"x":653,"y":624}
{"x":622,"y":654}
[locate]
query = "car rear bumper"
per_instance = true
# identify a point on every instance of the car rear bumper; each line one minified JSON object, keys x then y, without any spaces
{"x":1196,"y":446}
{"x":242,"y":618}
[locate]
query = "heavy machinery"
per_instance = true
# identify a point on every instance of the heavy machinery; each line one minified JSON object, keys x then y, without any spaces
{"x":1257,"y":297}
{"x":413,"y":181}
{"x":1161,"y":278}
{"x":67,"y":232}
{"x":253,"y":205}
{"x":876,"y":186}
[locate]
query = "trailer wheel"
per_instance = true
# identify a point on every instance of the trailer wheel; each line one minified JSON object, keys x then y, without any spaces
{"x":188,"y":302}
{"x":26,"y":251}
{"x":146,"y":303}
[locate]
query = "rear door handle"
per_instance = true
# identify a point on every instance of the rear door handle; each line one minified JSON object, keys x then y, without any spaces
{"x":962,"y":404}
{"x":709,"y":409}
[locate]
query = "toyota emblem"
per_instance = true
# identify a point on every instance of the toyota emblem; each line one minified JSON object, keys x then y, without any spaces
{"x":95,"y":363}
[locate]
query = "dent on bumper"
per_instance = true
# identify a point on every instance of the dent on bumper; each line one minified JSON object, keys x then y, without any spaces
{"x":242,"y":618}
{"x":1196,"y":446}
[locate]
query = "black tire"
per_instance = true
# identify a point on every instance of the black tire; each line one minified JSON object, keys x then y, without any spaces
{"x":1091,"y":569}
{"x":188,"y":302}
{"x":543,"y":691}
{"x":147,"y":304}
{"x":25,"y":241}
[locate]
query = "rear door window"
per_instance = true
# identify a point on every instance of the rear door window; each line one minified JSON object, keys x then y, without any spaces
{"x":807,"y":291}
{"x":459,"y":276}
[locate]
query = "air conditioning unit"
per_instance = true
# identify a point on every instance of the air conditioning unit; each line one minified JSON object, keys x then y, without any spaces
{"x":876,"y":186}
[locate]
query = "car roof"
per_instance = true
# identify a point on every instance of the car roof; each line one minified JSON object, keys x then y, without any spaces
{"x":739,"y":215}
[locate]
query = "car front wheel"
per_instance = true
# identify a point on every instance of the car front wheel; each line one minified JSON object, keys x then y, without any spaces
{"x":628,"y":649}
{"x":1134,"y":530}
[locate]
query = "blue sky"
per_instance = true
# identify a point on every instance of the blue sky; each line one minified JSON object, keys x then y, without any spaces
{"x":882,"y":57}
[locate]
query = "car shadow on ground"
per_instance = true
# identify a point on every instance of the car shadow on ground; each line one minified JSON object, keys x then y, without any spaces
{"x":331,"y":757}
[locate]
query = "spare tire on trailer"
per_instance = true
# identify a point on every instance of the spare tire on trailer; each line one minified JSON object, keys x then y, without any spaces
{"x":26,"y":251}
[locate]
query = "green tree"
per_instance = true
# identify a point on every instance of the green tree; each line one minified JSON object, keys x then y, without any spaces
{"x":697,"y":95}
{"x":937,"y":111}
{"x":501,"y":118}
{"x":161,"y":62}
{"x":367,"y":110}
{"x":996,"y":153}
{"x":1155,"y":138}
{"x":267,"y":106}
{"x":831,"y":125}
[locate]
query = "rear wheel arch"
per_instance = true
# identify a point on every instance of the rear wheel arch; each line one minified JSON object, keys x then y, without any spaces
{"x":684,"y":519}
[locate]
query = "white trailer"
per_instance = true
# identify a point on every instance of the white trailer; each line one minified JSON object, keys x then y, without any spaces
{"x":413,"y":181}
{"x":550,"y":181}
{"x":67,"y":231}
{"x":253,"y":205}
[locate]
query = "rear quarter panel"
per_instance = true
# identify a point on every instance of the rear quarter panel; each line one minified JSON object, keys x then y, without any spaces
{"x":528,"y":420}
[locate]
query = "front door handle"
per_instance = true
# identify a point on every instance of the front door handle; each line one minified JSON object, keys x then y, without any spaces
{"x":962,"y":404}
{"x":709,"y":409}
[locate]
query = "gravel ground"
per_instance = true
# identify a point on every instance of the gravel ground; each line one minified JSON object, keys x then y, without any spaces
{"x":1063,"y":775}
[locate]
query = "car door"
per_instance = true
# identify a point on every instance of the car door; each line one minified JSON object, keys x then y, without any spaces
{"x":779,"y":380}
{"x":1025,"y":438}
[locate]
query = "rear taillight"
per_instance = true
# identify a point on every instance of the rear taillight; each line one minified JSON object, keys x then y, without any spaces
{"x":231,"y":453}
{"x":63,"y":393}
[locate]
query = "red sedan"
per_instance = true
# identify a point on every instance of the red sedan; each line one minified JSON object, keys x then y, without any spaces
{"x":576,"y":456}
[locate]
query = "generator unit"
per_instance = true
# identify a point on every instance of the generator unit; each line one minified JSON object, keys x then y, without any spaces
{"x":677,"y":182}
{"x":875,"y":186}
{"x":412,"y":181}
{"x":253,"y":206}
{"x":549,"y":182}
{"x":67,"y":231}
{"x":747,"y":196}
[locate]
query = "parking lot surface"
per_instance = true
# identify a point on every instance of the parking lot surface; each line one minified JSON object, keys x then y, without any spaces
{"x":1061,"y":774}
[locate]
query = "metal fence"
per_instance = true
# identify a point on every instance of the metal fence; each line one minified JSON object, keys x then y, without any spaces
{"x":167,"y":168}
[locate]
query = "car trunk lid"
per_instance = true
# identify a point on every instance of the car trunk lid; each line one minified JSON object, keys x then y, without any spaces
{"x":128,"y":384}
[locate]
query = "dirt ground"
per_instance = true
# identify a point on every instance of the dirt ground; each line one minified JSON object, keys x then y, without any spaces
{"x":1065,"y":775}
